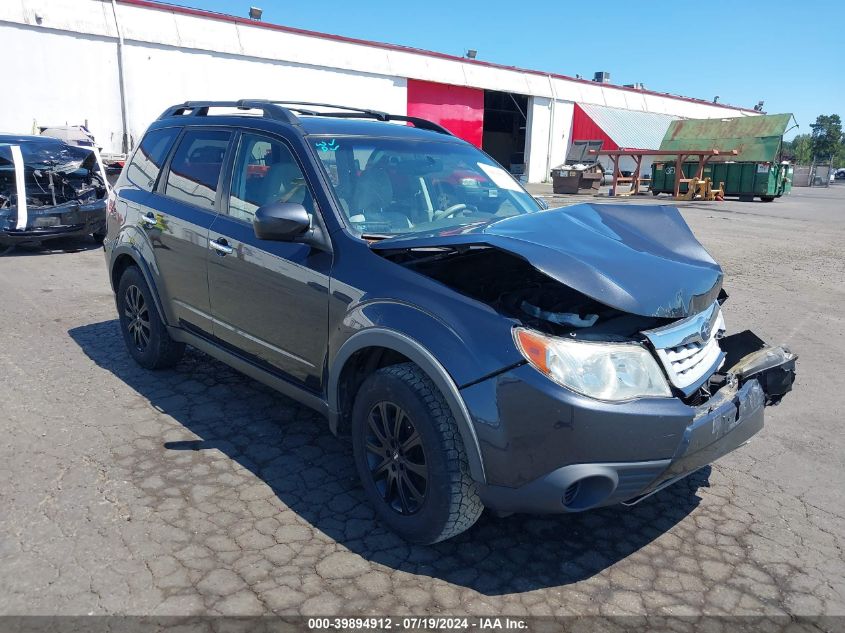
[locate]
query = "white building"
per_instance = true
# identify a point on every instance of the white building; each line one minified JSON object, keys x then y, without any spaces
{"x":116,"y":64}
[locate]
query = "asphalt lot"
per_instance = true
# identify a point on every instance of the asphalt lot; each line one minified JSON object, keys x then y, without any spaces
{"x":197,"y":490}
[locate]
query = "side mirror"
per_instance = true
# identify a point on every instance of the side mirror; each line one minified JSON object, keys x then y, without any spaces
{"x":281,"y":221}
{"x":540,"y":201}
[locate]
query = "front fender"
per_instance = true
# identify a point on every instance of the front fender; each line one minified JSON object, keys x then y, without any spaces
{"x":129,"y":248}
{"x":378,"y":336}
{"x":470,"y":346}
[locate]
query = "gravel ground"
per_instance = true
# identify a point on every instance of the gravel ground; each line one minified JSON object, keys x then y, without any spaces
{"x":199,"y":491}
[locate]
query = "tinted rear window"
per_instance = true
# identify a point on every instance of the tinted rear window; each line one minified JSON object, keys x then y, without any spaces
{"x":196,"y":165}
{"x":147,"y":162}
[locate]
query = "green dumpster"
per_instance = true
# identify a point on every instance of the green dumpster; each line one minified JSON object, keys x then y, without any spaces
{"x":766,"y":181}
{"x":755,"y":171}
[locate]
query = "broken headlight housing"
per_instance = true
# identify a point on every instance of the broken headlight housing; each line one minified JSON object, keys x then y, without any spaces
{"x":605,"y":371}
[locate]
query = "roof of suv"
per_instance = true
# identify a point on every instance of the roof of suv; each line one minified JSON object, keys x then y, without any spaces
{"x":338,"y":121}
{"x":323,"y":125}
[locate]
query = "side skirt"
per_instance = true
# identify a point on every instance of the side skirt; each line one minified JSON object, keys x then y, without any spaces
{"x":247,"y":367}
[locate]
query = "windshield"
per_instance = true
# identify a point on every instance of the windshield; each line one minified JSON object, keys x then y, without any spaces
{"x":392,"y":186}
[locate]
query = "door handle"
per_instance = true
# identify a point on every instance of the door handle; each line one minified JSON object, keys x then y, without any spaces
{"x":149,"y":219}
{"x":221,"y":246}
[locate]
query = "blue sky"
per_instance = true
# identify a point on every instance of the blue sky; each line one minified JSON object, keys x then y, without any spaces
{"x":788,"y":54}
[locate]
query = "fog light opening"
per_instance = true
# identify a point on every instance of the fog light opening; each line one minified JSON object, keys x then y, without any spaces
{"x":587,"y":492}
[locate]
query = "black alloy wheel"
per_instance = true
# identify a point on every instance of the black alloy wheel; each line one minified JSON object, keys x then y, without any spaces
{"x":396,"y":458}
{"x":144,"y":333}
{"x":138,"y":315}
{"x":410,"y":456}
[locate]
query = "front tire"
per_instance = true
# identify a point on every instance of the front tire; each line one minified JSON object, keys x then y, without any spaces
{"x":144,"y":333}
{"x":410,"y":456}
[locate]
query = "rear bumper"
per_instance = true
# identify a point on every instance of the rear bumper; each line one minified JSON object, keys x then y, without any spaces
{"x":60,"y":221}
{"x":722,"y":424}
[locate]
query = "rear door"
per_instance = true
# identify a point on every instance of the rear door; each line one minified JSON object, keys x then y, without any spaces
{"x":269,"y":299}
{"x":181,"y":211}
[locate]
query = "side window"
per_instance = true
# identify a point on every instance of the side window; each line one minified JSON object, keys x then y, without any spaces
{"x":195,"y":168}
{"x":148,"y":159}
{"x":265,"y":171}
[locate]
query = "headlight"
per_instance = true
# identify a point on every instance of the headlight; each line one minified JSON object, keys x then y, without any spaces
{"x":606,"y":371}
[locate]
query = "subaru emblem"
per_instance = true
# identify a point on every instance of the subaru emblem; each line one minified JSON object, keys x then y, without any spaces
{"x":704,"y":333}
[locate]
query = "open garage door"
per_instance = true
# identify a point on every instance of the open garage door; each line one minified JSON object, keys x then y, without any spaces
{"x":505,"y":121}
{"x":457,"y":108}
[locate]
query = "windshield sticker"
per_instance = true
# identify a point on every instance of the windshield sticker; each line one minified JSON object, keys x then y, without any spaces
{"x":500,"y":177}
{"x":327,"y":146}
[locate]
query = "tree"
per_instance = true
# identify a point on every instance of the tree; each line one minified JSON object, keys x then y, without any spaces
{"x":798,"y":149}
{"x":826,"y":137}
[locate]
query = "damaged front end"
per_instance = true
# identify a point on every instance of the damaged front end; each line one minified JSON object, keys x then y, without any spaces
{"x":608,"y":274}
{"x":49,"y":189}
{"x":751,"y":377}
{"x":620,"y":308}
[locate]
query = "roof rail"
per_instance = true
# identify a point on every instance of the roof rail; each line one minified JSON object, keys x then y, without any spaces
{"x":200,"y":108}
{"x":376,"y":114}
{"x":284,"y":111}
{"x":423,"y":124}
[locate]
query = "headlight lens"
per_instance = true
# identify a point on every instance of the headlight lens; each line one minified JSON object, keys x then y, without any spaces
{"x":605,"y":371}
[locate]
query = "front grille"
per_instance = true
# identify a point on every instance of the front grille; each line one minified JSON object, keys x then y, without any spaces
{"x":689,"y":349}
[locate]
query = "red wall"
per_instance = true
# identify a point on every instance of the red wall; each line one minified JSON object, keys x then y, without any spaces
{"x":585,"y":129}
{"x":460,"y":110}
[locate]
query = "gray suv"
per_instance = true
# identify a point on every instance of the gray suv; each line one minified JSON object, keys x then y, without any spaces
{"x":478,"y":349}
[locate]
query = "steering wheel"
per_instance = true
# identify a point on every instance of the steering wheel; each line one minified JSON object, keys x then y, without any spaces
{"x":448,"y":213}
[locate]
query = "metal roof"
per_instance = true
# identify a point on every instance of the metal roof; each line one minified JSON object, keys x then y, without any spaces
{"x":756,"y":139}
{"x":630,"y":129}
{"x":224,"y":17}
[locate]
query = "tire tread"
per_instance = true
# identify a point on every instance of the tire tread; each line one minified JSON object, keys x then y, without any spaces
{"x":465,"y":504}
{"x":168,"y":352}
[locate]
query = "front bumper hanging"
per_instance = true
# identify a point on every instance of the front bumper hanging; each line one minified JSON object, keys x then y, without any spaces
{"x":758,"y":376}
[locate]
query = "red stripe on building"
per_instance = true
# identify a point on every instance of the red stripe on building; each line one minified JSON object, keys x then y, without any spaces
{"x":585,"y":129}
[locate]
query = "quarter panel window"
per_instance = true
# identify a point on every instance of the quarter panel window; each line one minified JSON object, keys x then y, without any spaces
{"x":147,"y":162}
{"x":265,"y":171}
{"x":196,"y":165}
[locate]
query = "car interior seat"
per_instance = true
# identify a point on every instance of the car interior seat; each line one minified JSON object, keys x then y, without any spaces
{"x":373,"y":198}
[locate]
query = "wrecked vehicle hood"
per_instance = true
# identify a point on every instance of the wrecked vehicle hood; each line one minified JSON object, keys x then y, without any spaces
{"x":639,"y":259}
{"x":41,"y":152}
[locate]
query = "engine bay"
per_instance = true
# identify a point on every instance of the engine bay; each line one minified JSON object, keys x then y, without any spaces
{"x":54,"y":174}
{"x":47,"y":188}
{"x":515,"y":288}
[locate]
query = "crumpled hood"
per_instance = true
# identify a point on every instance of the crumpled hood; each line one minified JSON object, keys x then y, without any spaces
{"x":42,"y":152}
{"x":638,"y":259}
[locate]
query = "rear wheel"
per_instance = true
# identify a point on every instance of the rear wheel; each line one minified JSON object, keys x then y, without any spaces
{"x":98,"y":237}
{"x":767,"y":198}
{"x":410,"y":456}
{"x":144,"y":333}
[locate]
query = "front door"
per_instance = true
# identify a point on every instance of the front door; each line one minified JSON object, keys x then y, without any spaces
{"x":269,"y":299}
